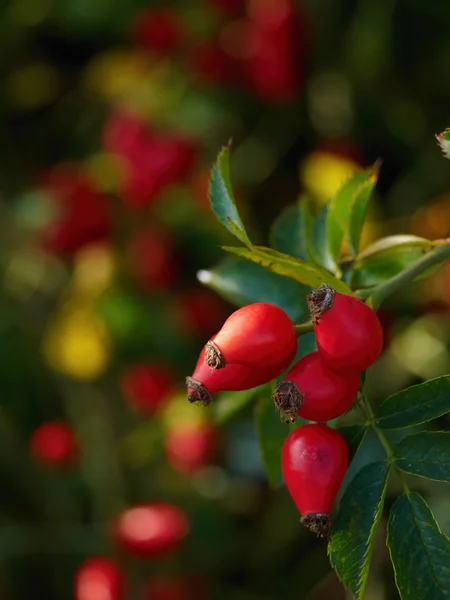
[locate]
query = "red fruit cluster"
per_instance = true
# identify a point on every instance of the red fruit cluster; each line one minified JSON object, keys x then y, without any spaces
{"x":255,"y":345}
{"x":151,"y":159}
{"x":323,"y":385}
{"x":82,"y":214}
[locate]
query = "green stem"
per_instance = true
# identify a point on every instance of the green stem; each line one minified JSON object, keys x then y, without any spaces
{"x":303,"y":328}
{"x":385,"y":289}
{"x":384,"y":442}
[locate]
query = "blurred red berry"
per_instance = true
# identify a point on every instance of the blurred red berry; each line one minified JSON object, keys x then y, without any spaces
{"x":54,"y":444}
{"x":151,"y":259}
{"x":201,"y":312}
{"x":99,"y":579}
{"x":189,"y":447}
{"x":157,"y":30}
{"x":274,"y":49}
{"x":151,"y":530}
{"x":147,"y":388}
{"x":151,"y":160}
{"x":82,"y":213}
{"x":228,"y":8}
{"x":175,"y":588}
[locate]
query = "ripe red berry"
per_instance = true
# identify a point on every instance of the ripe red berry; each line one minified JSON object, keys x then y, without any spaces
{"x":348,"y":332}
{"x":151,"y":530}
{"x":314,"y":462}
{"x":54,"y":444}
{"x":206,"y":381}
{"x":315,"y":392}
{"x":99,"y":578}
{"x":200,"y":312}
{"x":147,"y":388}
{"x":257,"y":335}
{"x":189,"y":447}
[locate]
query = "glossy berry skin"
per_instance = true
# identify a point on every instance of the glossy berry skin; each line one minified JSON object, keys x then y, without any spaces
{"x":189,"y":447}
{"x":98,"y":578}
{"x":53,"y":444}
{"x":314,"y":462}
{"x":348,"y":332}
{"x":258,"y":335}
{"x":151,"y":530}
{"x":147,"y":388}
{"x":314,"y":391}
{"x":206,"y":381}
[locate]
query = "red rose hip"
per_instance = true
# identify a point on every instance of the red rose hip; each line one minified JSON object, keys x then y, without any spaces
{"x":257,"y":335}
{"x":206,"y":381}
{"x":348,"y":332}
{"x":151,"y":530}
{"x":314,"y":462}
{"x":147,"y":388}
{"x":189,"y":447}
{"x":53,"y":443}
{"x":315,"y":392}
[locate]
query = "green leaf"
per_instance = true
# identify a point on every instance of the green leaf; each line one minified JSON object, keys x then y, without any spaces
{"x":303,"y":272}
{"x":359,"y":210}
{"x":444,"y":142}
{"x":417,"y":404}
{"x":242,"y":282}
{"x":420,"y":552}
{"x":341,"y":206}
{"x":291,"y":230}
{"x":387,"y":257}
{"x":356,"y":524}
{"x":222,"y":199}
{"x":271,"y":434}
{"x":353,"y":435}
{"x":426,"y":454}
{"x":318,"y":244}
{"x":229,"y":404}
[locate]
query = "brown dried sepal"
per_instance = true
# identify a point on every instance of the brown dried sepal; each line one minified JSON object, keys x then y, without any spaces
{"x":319,"y":301}
{"x":197,"y":392}
{"x":213,"y":356}
{"x":287,"y":399}
{"x":318,"y":523}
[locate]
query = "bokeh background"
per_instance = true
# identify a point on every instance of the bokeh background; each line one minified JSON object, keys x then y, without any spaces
{"x":111,"y":114}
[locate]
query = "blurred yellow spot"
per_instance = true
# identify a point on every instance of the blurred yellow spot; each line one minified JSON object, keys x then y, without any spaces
{"x":32,"y":86}
{"x":95,"y":269}
{"x":323,"y":173}
{"x":105,"y":171}
{"x":77,"y":344}
{"x":180,"y":410}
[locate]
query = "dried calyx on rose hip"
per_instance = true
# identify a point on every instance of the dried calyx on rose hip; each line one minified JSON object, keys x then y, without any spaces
{"x":314,"y":462}
{"x":315,"y":392}
{"x":257,"y":335}
{"x":348,"y":333}
{"x":206,"y":381}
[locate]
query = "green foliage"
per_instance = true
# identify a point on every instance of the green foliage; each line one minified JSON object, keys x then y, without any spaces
{"x":242,"y":282}
{"x":444,"y":142}
{"x":356,"y":524}
{"x":417,"y":404}
{"x":229,"y":404}
{"x":222,"y":199}
{"x":271,"y":433}
{"x":386,"y":258}
{"x":303,"y":272}
{"x":419,"y":551}
{"x":318,"y":243}
{"x":353,"y":435}
{"x":426,"y":454}
{"x":347,"y":210}
{"x":291,"y":230}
